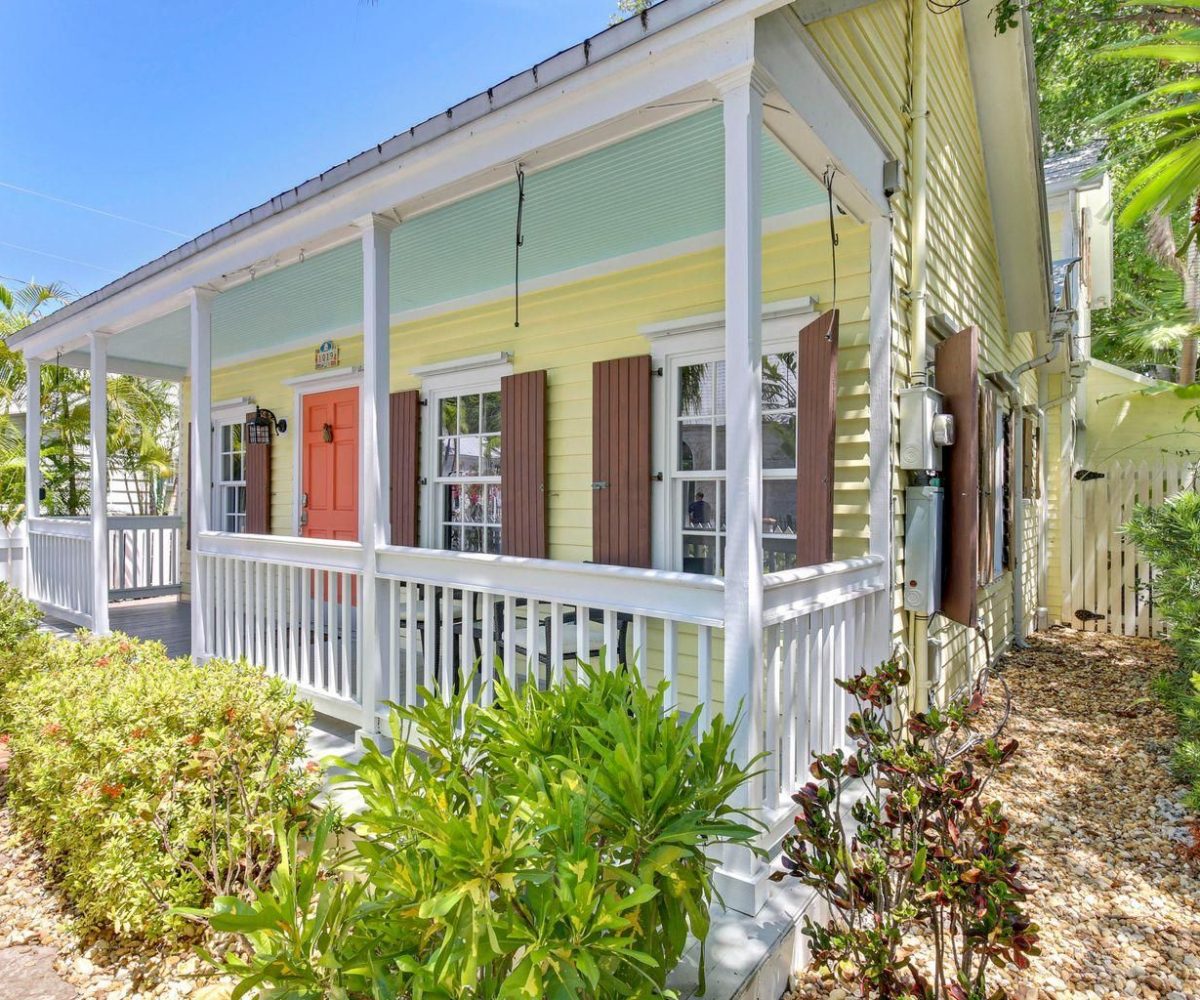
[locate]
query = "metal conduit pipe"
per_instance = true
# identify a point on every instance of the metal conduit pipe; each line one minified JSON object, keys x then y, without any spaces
{"x":918,"y":171}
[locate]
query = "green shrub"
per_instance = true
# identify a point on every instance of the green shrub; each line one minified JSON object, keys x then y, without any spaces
{"x":555,"y":845}
{"x":926,"y":855}
{"x":151,"y":783}
{"x":1169,"y":536}
{"x":19,"y":618}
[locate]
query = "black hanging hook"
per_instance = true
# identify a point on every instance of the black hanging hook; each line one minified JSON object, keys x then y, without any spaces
{"x":827,"y":180}
{"x":520,"y":243}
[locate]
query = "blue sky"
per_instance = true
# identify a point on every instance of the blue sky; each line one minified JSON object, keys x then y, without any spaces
{"x":182,"y":113}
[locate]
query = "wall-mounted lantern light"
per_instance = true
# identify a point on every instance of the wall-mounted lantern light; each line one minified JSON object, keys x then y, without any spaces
{"x":258,"y":427}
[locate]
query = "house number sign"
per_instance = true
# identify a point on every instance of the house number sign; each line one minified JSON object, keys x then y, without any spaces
{"x":328,"y":355}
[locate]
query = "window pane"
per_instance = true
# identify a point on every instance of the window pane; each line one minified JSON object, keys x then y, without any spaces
{"x":452,"y":503}
{"x":779,"y":381}
{"x":779,"y":554}
{"x":472,"y":540}
{"x":235,"y":467}
{"x":468,"y":415}
{"x":779,"y":507}
{"x":493,"y":540}
{"x":491,"y":412}
{"x":449,"y":416}
{"x":700,"y":554}
{"x":493,"y":504}
{"x":448,"y":449}
{"x":719,"y":445}
{"x":452,"y":538}
{"x":697,"y":389}
{"x":779,"y":441}
{"x":472,"y":504}
{"x":489,"y":464}
{"x":695,"y":444}
{"x":700,"y":504}
{"x":468,"y":456}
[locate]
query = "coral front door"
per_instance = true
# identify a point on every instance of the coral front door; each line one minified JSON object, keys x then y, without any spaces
{"x":329,"y":504}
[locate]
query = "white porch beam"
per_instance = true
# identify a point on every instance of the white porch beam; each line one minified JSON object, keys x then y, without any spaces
{"x":127,"y":366}
{"x":375,"y":466}
{"x":742,"y":97}
{"x":99,"y":458}
{"x":200,"y":454}
{"x":33,"y":437}
{"x":821,"y":125}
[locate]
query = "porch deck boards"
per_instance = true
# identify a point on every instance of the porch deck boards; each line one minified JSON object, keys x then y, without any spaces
{"x":165,"y":619}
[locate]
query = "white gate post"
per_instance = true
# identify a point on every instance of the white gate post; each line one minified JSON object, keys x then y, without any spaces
{"x":200,"y":371}
{"x":374,"y":467}
{"x":98,"y":342}
{"x":742,"y":97}
{"x":33,"y":460}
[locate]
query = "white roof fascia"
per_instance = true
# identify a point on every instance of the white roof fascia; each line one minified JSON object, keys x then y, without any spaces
{"x":585,"y":88}
{"x":825,"y":126}
{"x":1006,"y":104}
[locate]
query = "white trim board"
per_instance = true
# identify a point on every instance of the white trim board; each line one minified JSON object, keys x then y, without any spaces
{"x":305,"y":385}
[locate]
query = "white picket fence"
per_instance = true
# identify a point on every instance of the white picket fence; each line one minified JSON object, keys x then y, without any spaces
{"x":1112,"y":584}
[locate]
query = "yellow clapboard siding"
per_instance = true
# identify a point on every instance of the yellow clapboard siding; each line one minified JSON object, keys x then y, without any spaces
{"x":564,"y":329}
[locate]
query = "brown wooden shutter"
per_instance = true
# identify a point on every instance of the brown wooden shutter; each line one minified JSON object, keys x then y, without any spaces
{"x":404,"y":416}
{"x":258,"y":487}
{"x":621,"y":433}
{"x":816,"y":425}
{"x":523,"y":464}
{"x":957,"y":361}
{"x":1031,"y":480}
{"x":987,"y":485}
{"x":187,"y":479}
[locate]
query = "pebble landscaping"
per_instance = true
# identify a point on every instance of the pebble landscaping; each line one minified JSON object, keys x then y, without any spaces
{"x":1118,"y":899}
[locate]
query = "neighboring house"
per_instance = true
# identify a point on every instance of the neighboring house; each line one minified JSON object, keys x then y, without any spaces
{"x":1114,"y":436}
{"x":686,"y":450}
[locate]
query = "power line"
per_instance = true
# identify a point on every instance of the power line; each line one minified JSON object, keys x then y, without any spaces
{"x":54,"y":256}
{"x":89,"y":208}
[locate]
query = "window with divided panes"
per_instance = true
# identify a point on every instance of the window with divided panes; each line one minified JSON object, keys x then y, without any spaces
{"x":467,"y":482}
{"x":698,"y":496}
{"x":231,"y":477}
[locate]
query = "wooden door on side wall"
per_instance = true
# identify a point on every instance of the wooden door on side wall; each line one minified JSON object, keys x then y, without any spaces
{"x":329,"y":505}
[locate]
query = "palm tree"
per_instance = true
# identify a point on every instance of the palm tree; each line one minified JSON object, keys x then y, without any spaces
{"x":142,"y":422}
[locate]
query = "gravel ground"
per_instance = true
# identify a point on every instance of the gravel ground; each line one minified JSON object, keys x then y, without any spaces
{"x":1089,"y":793}
{"x":42,"y":957}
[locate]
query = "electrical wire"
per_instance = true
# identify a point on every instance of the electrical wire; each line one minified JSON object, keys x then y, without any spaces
{"x":89,"y":208}
{"x":827,"y":180}
{"x":520,"y":242}
{"x":54,"y":256}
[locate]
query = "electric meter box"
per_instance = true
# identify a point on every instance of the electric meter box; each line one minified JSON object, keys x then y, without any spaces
{"x":920,"y":408}
{"x":923,"y":538}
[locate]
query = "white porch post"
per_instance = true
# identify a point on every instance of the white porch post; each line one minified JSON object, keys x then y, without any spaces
{"x":880,"y":430}
{"x":200,"y":453}
{"x":374,"y":469}
{"x":743,"y":114}
{"x":98,"y":343}
{"x":33,"y":459}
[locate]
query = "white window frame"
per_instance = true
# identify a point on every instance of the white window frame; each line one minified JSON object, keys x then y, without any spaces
{"x":694,"y":340}
{"x":226,"y":414}
{"x":458,"y":377}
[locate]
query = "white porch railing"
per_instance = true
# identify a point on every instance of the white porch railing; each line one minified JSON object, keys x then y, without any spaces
{"x":456,"y":619}
{"x":822,"y":623}
{"x":60,"y":566}
{"x":143,"y":556}
{"x":291,"y":605}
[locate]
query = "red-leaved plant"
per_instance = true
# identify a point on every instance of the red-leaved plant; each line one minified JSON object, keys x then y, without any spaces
{"x":920,"y":880}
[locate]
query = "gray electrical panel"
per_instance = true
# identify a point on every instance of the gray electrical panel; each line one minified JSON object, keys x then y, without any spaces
{"x":923,"y":549}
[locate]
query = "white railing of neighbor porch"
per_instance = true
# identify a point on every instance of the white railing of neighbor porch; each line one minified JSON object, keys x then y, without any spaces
{"x":458,"y":619}
{"x":60,"y":566}
{"x":822,"y":624}
{"x":291,"y":605}
{"x":143,"y":556}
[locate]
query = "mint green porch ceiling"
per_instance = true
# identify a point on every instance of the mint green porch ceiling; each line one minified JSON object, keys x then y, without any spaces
{"x":656,"y":188}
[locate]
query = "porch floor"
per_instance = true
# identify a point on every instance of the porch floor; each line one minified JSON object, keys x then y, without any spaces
{"x":168,"y":620}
